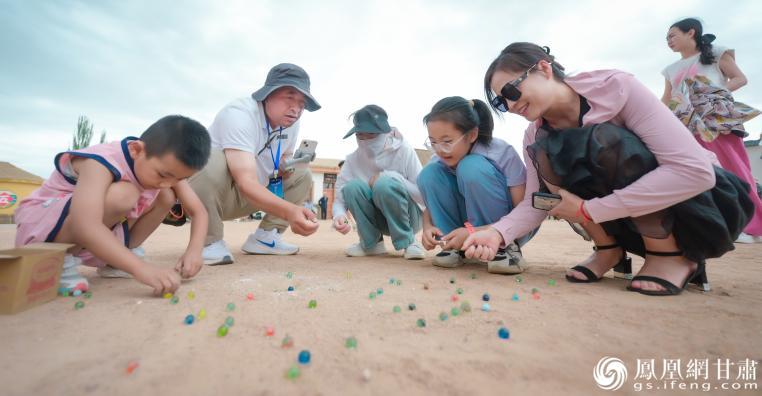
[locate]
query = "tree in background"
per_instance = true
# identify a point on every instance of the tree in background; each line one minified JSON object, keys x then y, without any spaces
{"x":84,"y":134}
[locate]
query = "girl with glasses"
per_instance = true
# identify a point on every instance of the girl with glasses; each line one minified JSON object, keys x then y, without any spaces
{"x":472,"y":178}
{"x":625,"y":167}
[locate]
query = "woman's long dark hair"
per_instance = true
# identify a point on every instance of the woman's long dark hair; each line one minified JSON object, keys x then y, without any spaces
{"x":703,"y":41}
{"x":518,"y":57}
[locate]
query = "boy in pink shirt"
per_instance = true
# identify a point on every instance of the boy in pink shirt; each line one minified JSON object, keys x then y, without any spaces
{"x":109,"y":198}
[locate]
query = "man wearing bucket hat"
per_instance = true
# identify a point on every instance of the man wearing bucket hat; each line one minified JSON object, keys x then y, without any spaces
{"x":377,"y":186}
{"x":252,"y":137}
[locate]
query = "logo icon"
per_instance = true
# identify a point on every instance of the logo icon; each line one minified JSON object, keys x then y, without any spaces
{"x":7,"y":199}
{"x":270,"y":245}
{"x":610,"y":373}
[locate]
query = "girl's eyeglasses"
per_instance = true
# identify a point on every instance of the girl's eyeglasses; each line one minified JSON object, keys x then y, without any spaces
{"x":442,"y":147}
{"x":510,"y":91}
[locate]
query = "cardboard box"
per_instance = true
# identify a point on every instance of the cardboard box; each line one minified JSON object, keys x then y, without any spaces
{"x":29,"y":275}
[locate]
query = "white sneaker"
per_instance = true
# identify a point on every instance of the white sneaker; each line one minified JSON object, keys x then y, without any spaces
{"x":268,"y":242}
{"x":356,"y":250}
{"x":71,"y":280}
{"x":415,"y":251}
{"x":746,"y":238}
{"x":217,"y":253}
{"x":507,"y":261}
{"x":111,"y":272}
{"x":448,"y":259}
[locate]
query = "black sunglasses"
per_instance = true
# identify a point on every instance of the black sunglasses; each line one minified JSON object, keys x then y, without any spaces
{"x":510,"y":91}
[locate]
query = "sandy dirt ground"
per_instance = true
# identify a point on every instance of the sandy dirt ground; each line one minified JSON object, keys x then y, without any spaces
{"x":555,"y":341}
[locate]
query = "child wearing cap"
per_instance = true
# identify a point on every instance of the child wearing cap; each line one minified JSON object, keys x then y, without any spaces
{"x":473,"y":180}
{"x":377,"y":186}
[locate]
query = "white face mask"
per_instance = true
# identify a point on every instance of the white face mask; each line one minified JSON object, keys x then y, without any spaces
{"x":372,"y":146}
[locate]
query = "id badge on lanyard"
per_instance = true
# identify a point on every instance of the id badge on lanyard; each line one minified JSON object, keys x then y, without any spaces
{"x":275,"y":186}
{"x":275,"y":183}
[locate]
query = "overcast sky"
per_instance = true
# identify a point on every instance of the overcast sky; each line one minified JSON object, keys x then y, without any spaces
{"x":125,"y":64}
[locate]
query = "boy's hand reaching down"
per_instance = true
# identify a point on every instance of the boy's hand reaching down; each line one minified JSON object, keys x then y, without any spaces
{"x":162,"y":280}
{"x":189,"y":264}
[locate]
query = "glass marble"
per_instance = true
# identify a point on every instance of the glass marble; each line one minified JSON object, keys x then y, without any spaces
{"x":304,"y":357}
{"x":222,"y":331}
{"x":189,"y":319}
{"x":293,"y":373}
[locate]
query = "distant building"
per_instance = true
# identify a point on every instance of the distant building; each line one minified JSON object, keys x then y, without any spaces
{"x":324,"y":173}
{"x":15,"y":185}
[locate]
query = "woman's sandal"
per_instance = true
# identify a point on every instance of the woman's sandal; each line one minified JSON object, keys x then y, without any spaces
{"x":623,"y":269}
{"x":697,"y":277}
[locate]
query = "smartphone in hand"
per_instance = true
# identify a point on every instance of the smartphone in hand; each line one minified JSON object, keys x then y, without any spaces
{"x":545,"y":201}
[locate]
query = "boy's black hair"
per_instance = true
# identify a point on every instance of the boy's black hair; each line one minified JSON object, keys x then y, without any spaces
{"x":187,"y":139}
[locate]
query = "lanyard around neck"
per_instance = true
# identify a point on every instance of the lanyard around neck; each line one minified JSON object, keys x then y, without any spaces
{"x":274,"y":157}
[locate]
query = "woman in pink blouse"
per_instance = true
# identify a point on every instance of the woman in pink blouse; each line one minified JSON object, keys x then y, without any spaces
{"x":626,"y":169}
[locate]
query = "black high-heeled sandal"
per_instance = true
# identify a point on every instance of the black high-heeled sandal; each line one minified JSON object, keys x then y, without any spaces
{"x":697,"y":277}
{"x":623,"y":269}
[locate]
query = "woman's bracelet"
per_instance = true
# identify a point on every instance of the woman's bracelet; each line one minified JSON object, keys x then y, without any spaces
{"x":581,"y":212}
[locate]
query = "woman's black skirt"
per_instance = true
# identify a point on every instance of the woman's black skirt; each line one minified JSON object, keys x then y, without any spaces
{"x":595,"y":160}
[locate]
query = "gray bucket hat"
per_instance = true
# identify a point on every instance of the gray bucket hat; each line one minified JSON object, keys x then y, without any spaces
{"x":287,"y":75}
{"x":369,"y":119}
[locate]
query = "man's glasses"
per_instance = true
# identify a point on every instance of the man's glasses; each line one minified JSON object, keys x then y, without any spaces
{"x":510,"y":92}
